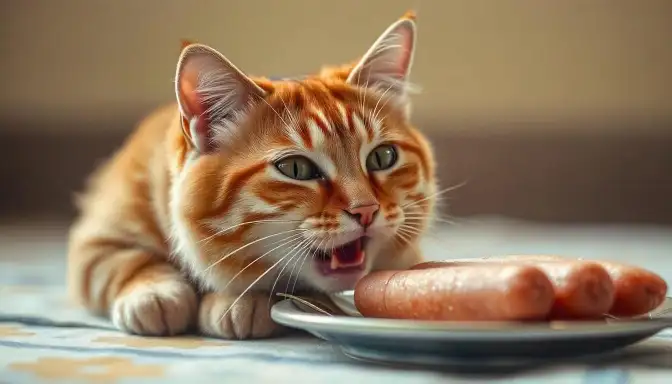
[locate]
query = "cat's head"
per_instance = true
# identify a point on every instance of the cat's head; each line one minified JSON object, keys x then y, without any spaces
{"x":319,"y":179}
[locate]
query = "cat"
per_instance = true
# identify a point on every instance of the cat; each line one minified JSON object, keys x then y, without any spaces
{"x":245,"y":186}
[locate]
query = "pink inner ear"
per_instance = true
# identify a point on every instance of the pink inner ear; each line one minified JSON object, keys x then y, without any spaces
{"x":190,"y":98}
{"x":405,"y":61}
{"x":197,"y":124}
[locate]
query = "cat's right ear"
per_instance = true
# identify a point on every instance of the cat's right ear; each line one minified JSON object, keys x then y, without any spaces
{"x":212,"y":95}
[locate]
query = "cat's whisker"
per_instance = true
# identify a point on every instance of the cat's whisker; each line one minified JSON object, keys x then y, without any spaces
{"x":250,"y":244}
{"x":417,"y":223}
{"x":420,"y":210}
{"x":418,"y":216}
{"x":237,"y":299}
{"x":319,"y":247}
{"x":412,"y":226}
{"x":430,"y":219}
{"x":422,"y":205}
{"x":407,"y":236}
{"x":401,"y":240}
{"x":407,"y":241}
{"x":222,"y":231}
{"x":441,"y":192}
{"x":300,"y":257}
{"x":280,"y":240}
{"x":295,"y":258}
{"x":293,"y":239}
{"x":312,"y":256}
{"x":314,"y":252}
{"x":277,"y":278}
{"x":410,"y":230}
{"x":294,"y":236}
{"x":291,"y":254}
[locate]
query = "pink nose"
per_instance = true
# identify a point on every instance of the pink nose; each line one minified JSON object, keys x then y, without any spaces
{"x":364,"y":214}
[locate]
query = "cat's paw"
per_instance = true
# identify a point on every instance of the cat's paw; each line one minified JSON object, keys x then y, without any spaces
{"x":248,"y":318}
{"x":156,"y":308}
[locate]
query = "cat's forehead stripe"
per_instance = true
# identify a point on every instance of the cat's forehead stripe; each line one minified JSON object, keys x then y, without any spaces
{"x":358,"y":125}
{"x":344,"y":116}
{"x":317,"y":131}
{"x":333,"y":120}
{"x":305,"y":137}
{"x":320,"y":119}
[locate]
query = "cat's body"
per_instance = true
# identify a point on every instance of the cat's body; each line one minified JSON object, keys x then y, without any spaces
{"x":249,"y":186}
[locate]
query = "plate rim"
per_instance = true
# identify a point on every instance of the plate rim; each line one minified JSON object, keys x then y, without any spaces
{"x":287,"y":313}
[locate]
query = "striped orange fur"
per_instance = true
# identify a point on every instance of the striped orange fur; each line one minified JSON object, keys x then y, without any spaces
{"x":247,"y":186}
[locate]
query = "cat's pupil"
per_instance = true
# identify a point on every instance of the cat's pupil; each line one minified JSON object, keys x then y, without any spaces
{"x":296,"y":169}
{"x":383,"y":157}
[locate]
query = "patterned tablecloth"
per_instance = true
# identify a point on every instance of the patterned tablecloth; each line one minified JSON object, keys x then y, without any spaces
{"x":45,"y":340}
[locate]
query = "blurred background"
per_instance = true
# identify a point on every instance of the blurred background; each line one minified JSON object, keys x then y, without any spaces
{"x":555,"y":112}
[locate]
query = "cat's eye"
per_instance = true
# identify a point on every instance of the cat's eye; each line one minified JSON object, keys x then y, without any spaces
{"x":381,"y":158}
{"x":298,"y":168}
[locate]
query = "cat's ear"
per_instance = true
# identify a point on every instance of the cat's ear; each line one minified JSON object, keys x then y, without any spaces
{"x":212,"y":95}
{"x":386,"y":66}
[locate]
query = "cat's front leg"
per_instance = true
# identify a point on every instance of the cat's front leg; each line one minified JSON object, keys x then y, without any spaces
{"x":227,"y":316}
{"x":140,"y":291}
{"x":155,"y":301}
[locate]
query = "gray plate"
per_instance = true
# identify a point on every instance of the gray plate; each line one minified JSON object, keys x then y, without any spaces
{"x":446,"y":343}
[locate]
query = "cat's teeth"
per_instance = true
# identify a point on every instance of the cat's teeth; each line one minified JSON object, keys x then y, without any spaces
{"x":334,"y":262}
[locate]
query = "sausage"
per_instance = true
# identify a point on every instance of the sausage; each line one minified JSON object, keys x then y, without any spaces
{"x":463,"y":293}
{"x":583,"y":289}
{"x":636,"y":290}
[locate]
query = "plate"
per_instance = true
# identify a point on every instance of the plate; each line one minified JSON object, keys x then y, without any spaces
{"x":466,"y":343}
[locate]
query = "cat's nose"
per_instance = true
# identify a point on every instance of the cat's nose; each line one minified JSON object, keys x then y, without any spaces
{"x":364,"y":214}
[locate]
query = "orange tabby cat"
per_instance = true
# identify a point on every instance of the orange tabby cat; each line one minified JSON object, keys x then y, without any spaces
{"x":249,"y":186}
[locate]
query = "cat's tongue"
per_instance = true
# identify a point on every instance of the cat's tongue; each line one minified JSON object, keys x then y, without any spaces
{"x":348,"y":256}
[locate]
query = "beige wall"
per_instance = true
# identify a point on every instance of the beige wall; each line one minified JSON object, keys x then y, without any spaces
{"x":65,"y":59}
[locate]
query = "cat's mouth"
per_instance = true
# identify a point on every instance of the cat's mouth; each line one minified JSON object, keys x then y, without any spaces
{"x":349,"y":257}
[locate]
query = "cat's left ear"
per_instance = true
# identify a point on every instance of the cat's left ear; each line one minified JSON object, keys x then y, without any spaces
{"x":212,"y":95}
{"x":386,"y":66}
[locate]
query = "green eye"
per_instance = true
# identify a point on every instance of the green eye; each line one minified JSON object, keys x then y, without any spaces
{"x":298,"y":168}
{"x":381,"y":158}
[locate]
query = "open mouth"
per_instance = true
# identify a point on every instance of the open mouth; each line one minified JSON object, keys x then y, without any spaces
{"x":348,"y":257}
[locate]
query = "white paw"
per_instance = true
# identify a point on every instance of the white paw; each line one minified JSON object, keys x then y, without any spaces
{"x":248,"y":318}
{"x":156,"y":309}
